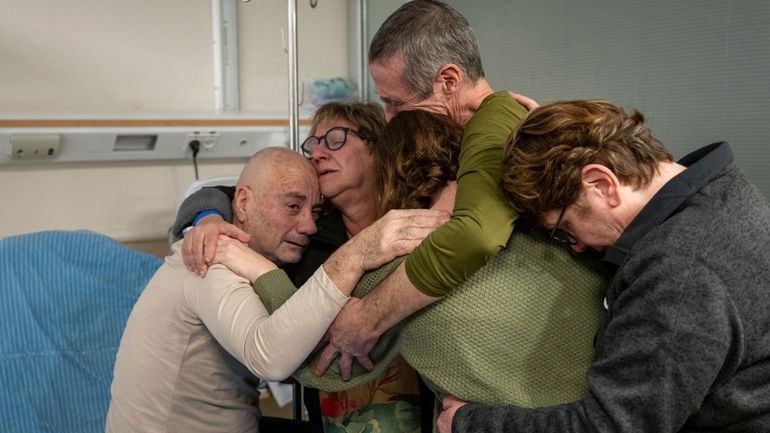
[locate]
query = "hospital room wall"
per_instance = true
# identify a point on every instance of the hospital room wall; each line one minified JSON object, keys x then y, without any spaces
{"x":698,"y":69}
{"x":97,"y":76}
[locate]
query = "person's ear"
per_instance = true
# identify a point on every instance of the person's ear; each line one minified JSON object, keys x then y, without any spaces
{"x":601,"y":182}
{"x":243,"y":196}
{"x":449,"y":77}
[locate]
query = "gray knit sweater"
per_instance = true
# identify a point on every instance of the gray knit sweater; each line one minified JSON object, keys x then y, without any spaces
{"x":686,"y":347}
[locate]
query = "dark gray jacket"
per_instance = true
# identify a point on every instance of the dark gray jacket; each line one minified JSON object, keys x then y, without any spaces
{"x":686,"y":347}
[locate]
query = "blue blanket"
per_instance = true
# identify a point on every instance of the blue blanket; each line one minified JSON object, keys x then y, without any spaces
{"x":65,"y":297}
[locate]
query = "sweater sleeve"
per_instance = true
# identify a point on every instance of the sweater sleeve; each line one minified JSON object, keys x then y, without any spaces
{"x":481,"y":221}
{"x":270,"y":346}
{"x":208,"y":198}
{"x":274,"y":288}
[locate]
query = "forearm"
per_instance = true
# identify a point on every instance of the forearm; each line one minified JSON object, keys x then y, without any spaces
{"x":343,"y":268}
{"x":283,"y":341}
{"x":270,"y":346}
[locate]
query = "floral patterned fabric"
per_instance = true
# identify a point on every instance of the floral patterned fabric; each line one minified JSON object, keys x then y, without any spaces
{"x":390,"y":403}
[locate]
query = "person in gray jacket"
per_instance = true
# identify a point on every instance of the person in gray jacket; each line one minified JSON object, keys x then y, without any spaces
{"x":686,"y":342}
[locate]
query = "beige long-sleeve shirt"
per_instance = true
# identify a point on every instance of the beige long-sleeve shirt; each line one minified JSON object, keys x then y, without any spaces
{"x":193,"y":348}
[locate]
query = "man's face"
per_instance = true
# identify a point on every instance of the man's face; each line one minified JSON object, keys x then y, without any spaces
{"x":283,"y":213}
{"x":392,"y":89}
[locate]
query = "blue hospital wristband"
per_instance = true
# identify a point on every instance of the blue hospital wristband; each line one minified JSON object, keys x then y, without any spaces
{"x":206,"y":213}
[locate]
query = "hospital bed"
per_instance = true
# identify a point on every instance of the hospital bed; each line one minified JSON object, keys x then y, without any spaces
{"x":65,"y":297}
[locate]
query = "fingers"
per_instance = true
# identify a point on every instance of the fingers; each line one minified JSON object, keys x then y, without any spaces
{"x":192,"y":251}
{"x":346,"y":364}
{"x":418,"y":214}
{"x":408,"y":238}
{"x":327,"y":356}
{"x":221,"y":249}
{"x":444,"y":422}
{"x":234,"y":232}
{"x":430,"y":221}
{"x":425,"y":219}
{"x":527,"y":102}
{"x":415,"y":232}
{"x":402,"y":247}
{"x":413,"y":223}
{"x":366,"y":362}
{"x":449,"y":400}
{"x":187,"y":254}
{"x":450,"y":404}
{"x":209,"y":248}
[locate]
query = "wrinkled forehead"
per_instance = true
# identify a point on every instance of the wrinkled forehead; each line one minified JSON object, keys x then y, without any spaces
{"x":300,"y":182}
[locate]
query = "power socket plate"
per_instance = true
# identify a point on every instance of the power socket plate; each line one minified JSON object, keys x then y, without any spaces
{"x":33,"y":146}
{"x":208,"y":139}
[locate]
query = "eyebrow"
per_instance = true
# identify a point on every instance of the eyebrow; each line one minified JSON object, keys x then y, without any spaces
{"x":294,"y":194}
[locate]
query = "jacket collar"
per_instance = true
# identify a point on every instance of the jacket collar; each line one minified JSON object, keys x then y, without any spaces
{"x":703,"y":165}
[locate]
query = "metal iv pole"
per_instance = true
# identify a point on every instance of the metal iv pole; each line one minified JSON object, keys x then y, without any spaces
{"x":293,"y":80}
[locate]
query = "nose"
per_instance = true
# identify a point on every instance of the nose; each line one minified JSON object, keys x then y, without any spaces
{"x":320,"y":151}
{"x":579,"y":247}
{"x":390,"y":112}
{"x":306,"y":224}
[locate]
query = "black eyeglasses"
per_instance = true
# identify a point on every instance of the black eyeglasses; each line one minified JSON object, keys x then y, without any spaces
{"x":334,"y":138}
{"x":561,"y":236}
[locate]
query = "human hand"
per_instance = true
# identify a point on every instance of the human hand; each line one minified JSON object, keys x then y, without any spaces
{"x":449,"y":406}
{"x":200,"y":243}
{"x":527,"y":102}
{"x":348,"y":339}
{"x":241,"y":259}
{"x":397,"y":233}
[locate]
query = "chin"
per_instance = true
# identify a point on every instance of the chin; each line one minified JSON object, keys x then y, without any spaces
{"x":328,"y":192}
{"x":329,"y":187}
{"x":289,"y":258}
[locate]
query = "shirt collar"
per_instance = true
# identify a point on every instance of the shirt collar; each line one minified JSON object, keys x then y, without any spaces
{"x":703,"y":165}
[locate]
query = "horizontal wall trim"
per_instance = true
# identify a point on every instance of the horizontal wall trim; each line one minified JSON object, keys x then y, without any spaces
{"x":132,"y":123}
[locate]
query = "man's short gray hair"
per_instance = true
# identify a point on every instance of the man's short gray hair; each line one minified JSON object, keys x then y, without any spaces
{"x":428,"y":34}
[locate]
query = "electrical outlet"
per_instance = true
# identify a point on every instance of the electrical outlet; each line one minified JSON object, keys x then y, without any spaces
{"x":33,"y":146}
{"x":208,"y":139}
